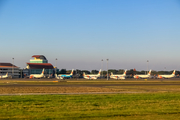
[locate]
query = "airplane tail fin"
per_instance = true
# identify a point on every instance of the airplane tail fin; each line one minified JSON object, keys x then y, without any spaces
{"x":42,"y":71}
{"x":99,"y":72}
{"x":84,"y":74}
{"x":174,"y":72}
{"x":149,"y":72}
{"x":72,"y":72}
{"x":111,"y":73}
{"x":7,"y":74}
{"x":125,"y":72}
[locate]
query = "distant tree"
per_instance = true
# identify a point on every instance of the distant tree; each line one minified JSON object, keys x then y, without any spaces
{"x":62,"y":71}
{"x":104,"y":73}
{"x":120,"y":71}
{"x":94,"y":72}
{"x":78,"y":71}
{"x":113,"y":71}
{"x":131,"y":72}
{"x":142,"y":72}
{"x":68,"y":71}
{"x":85,"y":71}
{"x":178,"y":72}
{"x":153,"y":72}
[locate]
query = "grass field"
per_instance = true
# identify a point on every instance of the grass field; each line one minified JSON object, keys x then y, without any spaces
{"x":158,"y":106}
{"x":157,"y":102}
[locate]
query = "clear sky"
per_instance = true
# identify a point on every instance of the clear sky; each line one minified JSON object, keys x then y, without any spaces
{"x":79,"y":33}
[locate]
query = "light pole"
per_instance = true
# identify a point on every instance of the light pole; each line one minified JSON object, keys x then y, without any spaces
{"x":56,"y":66}
{"x":107,"y":69}
{"x":147,"y":65}
{"x":102,"y":68}
{"x":13,"y":68}
{"x":164,"y":70}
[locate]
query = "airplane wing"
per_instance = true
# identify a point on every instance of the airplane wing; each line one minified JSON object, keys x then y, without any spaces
{"x":61,"y":77}
{"x":94,"y":77}
{"x":121,"y":77}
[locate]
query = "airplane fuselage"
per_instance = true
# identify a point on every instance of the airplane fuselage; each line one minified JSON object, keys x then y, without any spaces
{"x":142,"y":76}
{"x":36,"y":75}
{"x":5,"y":76}
{"x":166,"y":76}
{"x":91,"y":76}
{"x":64,"y":76}
{"x":118,"y":76}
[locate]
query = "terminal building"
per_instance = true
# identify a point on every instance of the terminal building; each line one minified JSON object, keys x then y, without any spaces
{"x":36,"y":65}
{"x":12,"y":70}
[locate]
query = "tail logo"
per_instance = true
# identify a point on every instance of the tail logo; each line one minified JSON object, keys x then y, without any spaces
{"x":31,"y":76}
{"x":174,"y":73}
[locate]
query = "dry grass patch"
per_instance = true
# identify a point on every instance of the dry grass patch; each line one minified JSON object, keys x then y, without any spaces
{"x":166,"y":88}
{"x":55,"y":89}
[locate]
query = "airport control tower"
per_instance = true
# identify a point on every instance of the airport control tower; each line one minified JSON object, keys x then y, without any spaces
{"x":38,"y":59}
{"x":36,"y":65}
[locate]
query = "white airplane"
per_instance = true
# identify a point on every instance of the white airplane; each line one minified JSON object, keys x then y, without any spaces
{"x":143,"y":76}
{"x":167,"y":76}
{"x":121,"y":76}
{"x":64,"y":76}
{"x":37,"y":75}
{"x":4,"y":76}
{"x":92,"y":76}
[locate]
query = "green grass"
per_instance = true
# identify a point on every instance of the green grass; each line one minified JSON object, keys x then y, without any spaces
{"x":156,"y":106}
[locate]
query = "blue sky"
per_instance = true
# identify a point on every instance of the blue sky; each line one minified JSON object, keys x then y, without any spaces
{"x":82,"y":32}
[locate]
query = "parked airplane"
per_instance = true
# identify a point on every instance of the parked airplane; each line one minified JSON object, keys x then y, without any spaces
{"x":64,"y":76}
{"x":92,"y":76}
{"x":143,"y":76}
{"x":4,"y":76}
{"x":121,"y":76}
{"x":167,"y":76}
{"x":37,"y":75}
